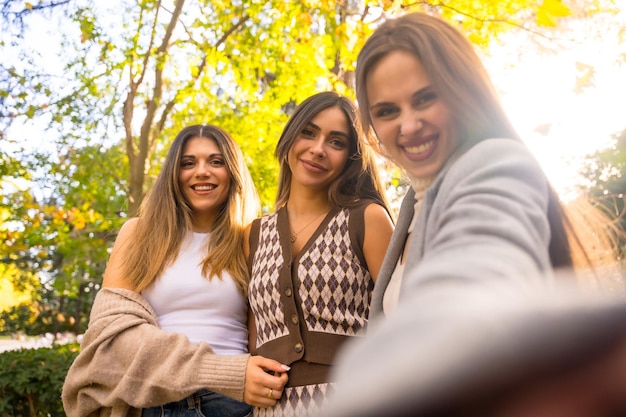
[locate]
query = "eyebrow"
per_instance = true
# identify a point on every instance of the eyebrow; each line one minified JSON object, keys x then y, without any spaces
{"x":213,"y":155}
{"x":389,"y":103}
{"x":332,"y":132}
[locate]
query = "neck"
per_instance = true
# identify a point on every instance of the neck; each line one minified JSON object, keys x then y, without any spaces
{"x":303,"y":218}
{"x":303,"y":198}
{"x":202,"y":224}
{"x":420,"y":184}
{"x":306,"y":204}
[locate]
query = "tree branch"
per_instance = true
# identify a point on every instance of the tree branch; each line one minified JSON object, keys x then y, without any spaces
{"x":10,"y":17}
{"x":478,"y":19}
{"x":199,"y":70}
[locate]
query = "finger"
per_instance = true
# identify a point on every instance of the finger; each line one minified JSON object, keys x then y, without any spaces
{"x":274,"y":394}
{"x":270,"y":364}
{"x":279,"y":382}
{"x":259,"y":381}
{"x":260,"y":400}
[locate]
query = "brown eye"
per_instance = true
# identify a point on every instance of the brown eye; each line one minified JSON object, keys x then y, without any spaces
{"x":338,"y":143}
{"x":186,"y":163}
{"x":308,"y":133}
{"x":217,"y":162}
{"x":425,"y":99}
{"x":385,"y":111}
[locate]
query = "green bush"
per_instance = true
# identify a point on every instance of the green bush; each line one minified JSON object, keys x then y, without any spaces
{"x":31,"y":380}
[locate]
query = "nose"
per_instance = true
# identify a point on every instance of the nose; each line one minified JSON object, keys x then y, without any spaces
{"x":203,"y":170}
{"x":317,"y":146}
{"x":411,"y":124}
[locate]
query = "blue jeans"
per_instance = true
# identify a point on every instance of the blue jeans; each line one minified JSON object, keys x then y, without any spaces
{"x":201,"y":404}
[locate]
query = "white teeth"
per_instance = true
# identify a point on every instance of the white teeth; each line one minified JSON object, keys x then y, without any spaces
{"x":421,"y":148}
{"x":204,"y":187}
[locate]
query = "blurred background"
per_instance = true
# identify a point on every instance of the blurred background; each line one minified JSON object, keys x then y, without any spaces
{"x":92,"y":93}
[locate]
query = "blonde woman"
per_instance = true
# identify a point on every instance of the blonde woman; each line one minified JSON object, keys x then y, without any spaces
{"x":168,"y":331}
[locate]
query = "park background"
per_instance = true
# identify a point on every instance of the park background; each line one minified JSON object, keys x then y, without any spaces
{"x":92,"y":93}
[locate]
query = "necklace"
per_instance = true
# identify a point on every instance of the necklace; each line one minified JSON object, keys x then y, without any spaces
{"x":294,"y":235}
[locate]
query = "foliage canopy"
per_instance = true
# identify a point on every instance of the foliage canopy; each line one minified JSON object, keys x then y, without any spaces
{"x":133,"y":73}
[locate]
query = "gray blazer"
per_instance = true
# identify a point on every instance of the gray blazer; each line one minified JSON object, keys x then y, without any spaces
{"x":463,"y":356}
{"x":483,"y":218}
{"x":480,"y":313}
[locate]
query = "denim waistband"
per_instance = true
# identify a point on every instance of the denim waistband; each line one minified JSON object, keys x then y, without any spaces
{"x":190,"y":401}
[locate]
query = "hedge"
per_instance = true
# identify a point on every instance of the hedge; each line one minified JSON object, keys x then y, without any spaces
{"x":31,"y":380}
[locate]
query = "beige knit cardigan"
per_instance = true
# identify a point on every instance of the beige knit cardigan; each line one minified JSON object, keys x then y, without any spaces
{"x":127,"y":362}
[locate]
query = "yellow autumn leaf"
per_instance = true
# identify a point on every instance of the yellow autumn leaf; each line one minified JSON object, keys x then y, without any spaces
{"x":550,"y":9}
{"x":556,"y":8}
{"x":544,"y":19}
{"x":387,"y":4}
{"x":305,"y":19}
{"x":28,"y":5}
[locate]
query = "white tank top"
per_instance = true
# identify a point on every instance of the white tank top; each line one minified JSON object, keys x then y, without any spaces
{"x":211,"y":311}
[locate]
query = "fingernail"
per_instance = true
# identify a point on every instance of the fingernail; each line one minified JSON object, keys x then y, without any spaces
{"x":285,"y":367}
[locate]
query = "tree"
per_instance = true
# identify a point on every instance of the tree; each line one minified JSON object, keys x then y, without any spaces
{"x":240,"y":63}
{"x":136,"y":72}
{"x":18,"y":82}
{"x":605,"y":174}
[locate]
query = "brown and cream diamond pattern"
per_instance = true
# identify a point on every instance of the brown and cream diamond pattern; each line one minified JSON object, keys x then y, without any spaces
{"x":297,"y":401}
{"x":334,"y":287}
{"x":264,"y":291}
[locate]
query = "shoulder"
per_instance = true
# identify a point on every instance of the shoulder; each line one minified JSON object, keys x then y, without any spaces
{"x":262,"y":223}
{"x":126,"y":233}
{"x":364,"y":205}
{"x":371,"y":217}
{"x":129,"y":227}
{"x":248,"y":228}
{"x":375,"y":213}
{"x":502,"y":162}
{"x":502,"y":146}
{"x":251,"y":235}
{"x":113,"y":274}
{"x":247,"y":233}
{"x":497,"y":153}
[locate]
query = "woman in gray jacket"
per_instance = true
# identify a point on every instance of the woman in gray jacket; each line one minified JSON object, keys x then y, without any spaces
{"x":480,"y":208}
{"x":476,"y":245}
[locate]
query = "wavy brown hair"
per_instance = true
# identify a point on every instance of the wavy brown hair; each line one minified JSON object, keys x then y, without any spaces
{"x":359,"y":178}
{"x":165,"y":217}
{"x":460,"y":79}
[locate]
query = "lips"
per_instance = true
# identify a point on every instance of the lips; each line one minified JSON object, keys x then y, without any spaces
{"x":204,"y":187}
{"x":313,"y":166}
{"x":419,"y":150}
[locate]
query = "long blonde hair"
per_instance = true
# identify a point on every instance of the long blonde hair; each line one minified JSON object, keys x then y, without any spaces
{"x":165,"y":217}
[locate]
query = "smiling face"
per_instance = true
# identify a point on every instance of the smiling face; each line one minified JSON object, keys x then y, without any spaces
{"x":204,"y":180}
{"x":320,"y":150}
{"x":412,"y":123}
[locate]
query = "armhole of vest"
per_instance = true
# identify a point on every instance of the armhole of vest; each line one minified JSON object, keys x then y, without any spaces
{"x":356,"y":228}
{"x":255,"y":229}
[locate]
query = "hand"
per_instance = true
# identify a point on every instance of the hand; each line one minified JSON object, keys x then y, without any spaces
{"x":260,"y":384}
{"x":597,"y":388}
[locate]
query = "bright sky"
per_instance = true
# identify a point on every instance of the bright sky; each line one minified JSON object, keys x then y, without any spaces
{"x":538,"y":90}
